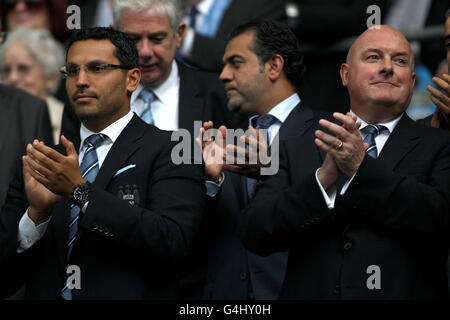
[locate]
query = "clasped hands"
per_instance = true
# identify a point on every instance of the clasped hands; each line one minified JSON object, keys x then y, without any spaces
{"x":48,"y":175}
{"x":246,"y":159}
{"x":344,"y":147}
{"x":441,"y":117}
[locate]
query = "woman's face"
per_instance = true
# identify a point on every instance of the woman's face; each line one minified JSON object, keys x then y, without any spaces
{"x":27,"y":13}
{"x":21,"y":70}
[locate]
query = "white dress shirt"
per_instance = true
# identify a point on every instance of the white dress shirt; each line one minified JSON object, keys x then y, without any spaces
{"x":281,"y":111}
{"x":380,"y":140}
{"x":165,"y":106}
{"x":28,"y":232}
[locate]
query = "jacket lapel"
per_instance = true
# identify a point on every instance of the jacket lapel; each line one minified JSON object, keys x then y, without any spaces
{"x":400,"y":142}
{"x":190,"y":105}
{"x":121,"y":150}
{"x":297,"y":122}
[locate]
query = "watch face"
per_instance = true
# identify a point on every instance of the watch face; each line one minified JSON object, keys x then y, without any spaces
{"x":81,"y":194}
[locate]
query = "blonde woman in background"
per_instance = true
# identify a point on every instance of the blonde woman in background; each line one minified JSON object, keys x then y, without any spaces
{"x":30,"y":60}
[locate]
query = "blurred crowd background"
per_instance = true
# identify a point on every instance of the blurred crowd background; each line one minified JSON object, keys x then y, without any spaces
{"x":34,"y":32}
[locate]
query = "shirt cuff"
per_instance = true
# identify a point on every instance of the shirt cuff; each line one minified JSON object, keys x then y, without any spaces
{"x":330,"y":195}
{"x":29,"y":233}
{"x":213,"y":188}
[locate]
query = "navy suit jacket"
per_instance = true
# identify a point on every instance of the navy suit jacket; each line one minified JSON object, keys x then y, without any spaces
{"x":234,"y":272}
{"x":395,"y":215}
{"x":126,"y":248}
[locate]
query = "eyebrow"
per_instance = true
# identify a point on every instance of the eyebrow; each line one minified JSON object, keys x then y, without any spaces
{"x":97,"y":61}
{"x":401,"y":53}
{"x":447,"y":37}
{"x":234,"y":56}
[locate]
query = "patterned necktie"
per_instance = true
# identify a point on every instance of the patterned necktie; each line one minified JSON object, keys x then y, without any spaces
{"x":148,"y":97}
{"x":371,"y":132}
{"x":193,"y":17}
{"x":262,"y":123}
{"x":89,"y":168}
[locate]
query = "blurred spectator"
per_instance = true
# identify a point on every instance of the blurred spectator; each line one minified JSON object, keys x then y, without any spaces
{"x":210,"y":21}
{"x":30,"y":60}
{"x":36,"y":14}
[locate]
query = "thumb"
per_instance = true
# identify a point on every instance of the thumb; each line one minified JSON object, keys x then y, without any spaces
{"x":70,"y":148}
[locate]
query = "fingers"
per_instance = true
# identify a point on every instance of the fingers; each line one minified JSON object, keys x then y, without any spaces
{"x":329,"y":140}
{"x":47,"y":151}
{"x":38,"y":163}
{"x":70,"y":148}
{"x":348,"y":121}
{"x":442,"y":82}
{"x":337,"y":130}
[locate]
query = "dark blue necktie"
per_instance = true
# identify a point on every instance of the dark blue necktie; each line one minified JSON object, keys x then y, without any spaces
{"x":89,"y":168}
{"x":371,"y":131}
{"x":193,"y":17}
{"x":262,"y":123}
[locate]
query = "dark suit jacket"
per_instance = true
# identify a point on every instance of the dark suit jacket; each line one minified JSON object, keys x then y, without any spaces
{"x":207,"y":52}
{"x":24,"y":118}
{"x":202,"y":98}
{"x":124,"y":250}
{"x":394,"y":215}
{"x":233,"y":271}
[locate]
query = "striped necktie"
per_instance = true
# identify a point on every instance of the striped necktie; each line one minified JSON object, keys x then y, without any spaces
{"x":262,"y":123}
{"x":89,"y":168}
{"x":148,"y":97}
{"x":371,"y":132}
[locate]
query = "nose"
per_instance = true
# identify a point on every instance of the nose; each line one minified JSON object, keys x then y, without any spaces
{"x":226,"y":74}
{"x":387,"y":66}
{"x":82,"y":79}
{"x":145,"y":49}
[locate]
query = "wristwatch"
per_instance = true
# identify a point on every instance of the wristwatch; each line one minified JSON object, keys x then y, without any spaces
{"x":81,"y":193}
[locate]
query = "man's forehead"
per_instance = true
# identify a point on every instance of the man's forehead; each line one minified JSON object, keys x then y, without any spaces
{"x":385,"y":40}
{"x":91,"y":49}
{"x":145,"y":21}
{"x":241,"y":44}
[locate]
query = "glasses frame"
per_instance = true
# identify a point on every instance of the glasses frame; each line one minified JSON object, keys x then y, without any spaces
{"x":65,"y":74}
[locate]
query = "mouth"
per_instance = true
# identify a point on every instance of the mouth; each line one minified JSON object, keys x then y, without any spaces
{"x":83,"y":98}
{"x":148,"y":67}
{"x":393,"y":84}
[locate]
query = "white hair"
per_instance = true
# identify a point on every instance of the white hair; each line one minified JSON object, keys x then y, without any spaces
{"x":48,"y":52}
{"x":173,"y":9}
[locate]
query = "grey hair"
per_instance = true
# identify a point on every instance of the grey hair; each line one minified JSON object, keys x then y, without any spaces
{"x":173,"y":9}
{"x":48,"y":52}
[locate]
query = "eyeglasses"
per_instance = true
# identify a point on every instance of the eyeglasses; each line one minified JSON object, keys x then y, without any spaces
{"x":31,"y":4}
{"x":91,"y":68}
{"x":22,"y":69}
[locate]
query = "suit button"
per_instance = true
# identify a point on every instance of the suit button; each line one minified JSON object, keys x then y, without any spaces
{"x":244,"y":276}
{"x":348,"y":245}
{"x":337,"y":290}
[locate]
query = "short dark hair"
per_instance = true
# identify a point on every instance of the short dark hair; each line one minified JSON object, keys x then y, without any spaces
{"x":126,"y":50}
{"x":271,"y":38}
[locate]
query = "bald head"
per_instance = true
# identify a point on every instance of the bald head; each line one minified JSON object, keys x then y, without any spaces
{"x":377,"y":30}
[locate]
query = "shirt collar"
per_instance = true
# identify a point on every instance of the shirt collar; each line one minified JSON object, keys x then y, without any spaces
{"x":204,"y":6}
{"x":390,"y":125}
{"x":112,"y":131}
{"x":282,"y":110}
{"x":164,"y":91}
